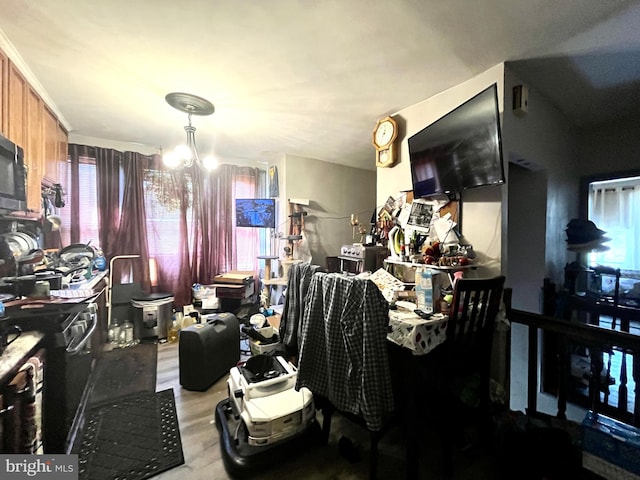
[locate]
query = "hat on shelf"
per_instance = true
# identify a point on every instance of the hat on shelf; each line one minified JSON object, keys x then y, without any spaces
{"x":583,"y":234}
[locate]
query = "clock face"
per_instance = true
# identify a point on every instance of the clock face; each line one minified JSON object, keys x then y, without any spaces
{"x":384,"y":133}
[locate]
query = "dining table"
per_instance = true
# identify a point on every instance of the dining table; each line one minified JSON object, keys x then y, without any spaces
{"x":413,"y":332}
{"x":412,"y":339}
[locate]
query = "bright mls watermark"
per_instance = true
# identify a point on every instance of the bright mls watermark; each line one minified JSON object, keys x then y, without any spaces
{"x":52,"y":467}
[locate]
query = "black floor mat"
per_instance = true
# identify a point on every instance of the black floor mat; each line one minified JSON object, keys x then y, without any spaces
{"x":124,"y":371}
{"x":131,"y":438}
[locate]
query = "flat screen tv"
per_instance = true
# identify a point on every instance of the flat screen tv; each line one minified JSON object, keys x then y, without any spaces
{"x":256,"y":212}
{"x":459,"y":151}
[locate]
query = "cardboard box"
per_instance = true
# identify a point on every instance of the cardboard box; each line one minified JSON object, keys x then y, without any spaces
{"x":234,"y":291}
{"x":237,"y":277}
{"x":428,"y":286}
{"x":612,"y":441}
{"x":274,"y":320}
{"x":606,"y":469}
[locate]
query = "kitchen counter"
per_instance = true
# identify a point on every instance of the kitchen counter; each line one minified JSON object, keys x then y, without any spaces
{"x":17,"y":352}
{"x":60,"y":301}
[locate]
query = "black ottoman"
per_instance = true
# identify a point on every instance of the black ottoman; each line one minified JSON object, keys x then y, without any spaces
{"x":207,"y":351}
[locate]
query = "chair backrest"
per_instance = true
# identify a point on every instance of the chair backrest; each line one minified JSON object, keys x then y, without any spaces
{"x":472,"y":315}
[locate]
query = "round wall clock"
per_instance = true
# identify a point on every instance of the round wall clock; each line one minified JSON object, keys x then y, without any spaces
{"x":384,"y":141}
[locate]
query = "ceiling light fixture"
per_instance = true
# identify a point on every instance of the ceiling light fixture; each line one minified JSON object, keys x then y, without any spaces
{"x":184,"y":156}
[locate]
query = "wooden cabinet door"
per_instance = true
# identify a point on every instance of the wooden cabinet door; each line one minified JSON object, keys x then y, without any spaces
{"x":63,"y":153}
{"x":34,"y":151}
{"x":16,"y":103}
{"x":51,"y":151}
{"x":4,"y":80}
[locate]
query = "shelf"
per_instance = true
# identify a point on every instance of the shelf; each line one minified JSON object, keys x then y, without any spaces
{"x":432,"y":267}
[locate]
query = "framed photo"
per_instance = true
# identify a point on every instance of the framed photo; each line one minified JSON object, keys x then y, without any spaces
{"x":420,"y":215}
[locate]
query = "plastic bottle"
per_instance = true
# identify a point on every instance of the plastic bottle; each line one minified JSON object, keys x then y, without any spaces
{"x":126,"y":334}
{"x":187,"y":320}
{"x":114,"y":332}
{"x":174,"y":330}
{"x":99,"y":262}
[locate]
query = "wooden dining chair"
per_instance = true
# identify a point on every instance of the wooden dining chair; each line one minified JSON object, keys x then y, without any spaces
{"x":465,"y":355}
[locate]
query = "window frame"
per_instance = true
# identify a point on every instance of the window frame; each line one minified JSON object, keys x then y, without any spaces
{"x":586,"y":180}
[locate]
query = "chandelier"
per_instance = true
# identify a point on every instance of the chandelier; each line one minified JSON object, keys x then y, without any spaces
{"x":186,"y":155}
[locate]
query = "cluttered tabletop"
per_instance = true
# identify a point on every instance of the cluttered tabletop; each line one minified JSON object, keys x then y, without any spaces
{"x":32,"y":279}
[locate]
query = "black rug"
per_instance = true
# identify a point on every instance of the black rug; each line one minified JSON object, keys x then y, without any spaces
{"x":132,"y":438}
{"x":124,"y":371}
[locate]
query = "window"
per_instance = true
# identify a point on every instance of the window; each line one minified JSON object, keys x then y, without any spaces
{"x":165,"y":232}
{"x":247,"y":240}
{"x":163,"y":219}
{"x":614,"y":206}
{"x":88,"y":201}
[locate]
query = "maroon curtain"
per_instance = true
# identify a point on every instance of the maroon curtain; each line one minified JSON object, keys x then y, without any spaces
{"x":173,"y":270}
{"x":107,"y":163}
{"x":131,"y":238}
{"x":206,"y":245}
{"x":213,"y":243}
{"x":108,"y":180}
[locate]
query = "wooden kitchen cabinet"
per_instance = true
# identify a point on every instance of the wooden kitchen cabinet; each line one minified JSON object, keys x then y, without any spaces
{"x":51,"y":150}
{"x":17,"y":88}
{"x":29,"y":122}
{"x":4,"y":79}
{"x":63,"y":154}
{"x":34,"y":150}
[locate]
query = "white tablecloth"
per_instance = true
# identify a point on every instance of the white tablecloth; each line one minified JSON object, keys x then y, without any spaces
{"x":410,"y":331}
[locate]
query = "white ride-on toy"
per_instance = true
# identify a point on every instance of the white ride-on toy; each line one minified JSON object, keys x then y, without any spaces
{"x":264,"y":402}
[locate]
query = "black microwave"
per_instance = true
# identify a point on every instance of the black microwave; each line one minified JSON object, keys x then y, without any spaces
{"x":13,"y":190}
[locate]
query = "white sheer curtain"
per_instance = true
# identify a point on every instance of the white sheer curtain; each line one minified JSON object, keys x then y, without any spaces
{"x":614,"y":206}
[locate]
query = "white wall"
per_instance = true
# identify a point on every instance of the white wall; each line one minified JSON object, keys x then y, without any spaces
{"x":548,"y":143}
{"x":335,"y":192}
{"x":481,"y":207}
{"x":542,"y":196}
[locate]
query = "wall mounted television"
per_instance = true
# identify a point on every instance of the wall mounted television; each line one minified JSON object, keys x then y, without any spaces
{"x":256,"y":212}
{"x":461,"y":150}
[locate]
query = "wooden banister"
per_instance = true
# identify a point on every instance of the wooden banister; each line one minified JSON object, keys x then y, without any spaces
{"x":597,"y":338}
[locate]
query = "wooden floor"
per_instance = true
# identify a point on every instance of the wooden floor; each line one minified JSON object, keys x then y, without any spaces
{"x":196,"y":418}
{"x":200,"y":442}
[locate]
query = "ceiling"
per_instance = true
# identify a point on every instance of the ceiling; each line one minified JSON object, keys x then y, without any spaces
{"x":309,"y":77}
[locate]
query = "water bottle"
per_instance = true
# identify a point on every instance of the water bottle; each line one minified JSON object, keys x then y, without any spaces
{"x":126,"y":334}
{"x":114,"y":332}
{"x":99,"y":262}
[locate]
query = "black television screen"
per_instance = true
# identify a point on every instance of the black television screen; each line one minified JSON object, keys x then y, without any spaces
{"x":461,"y":150}
{"x":256,"y":212}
